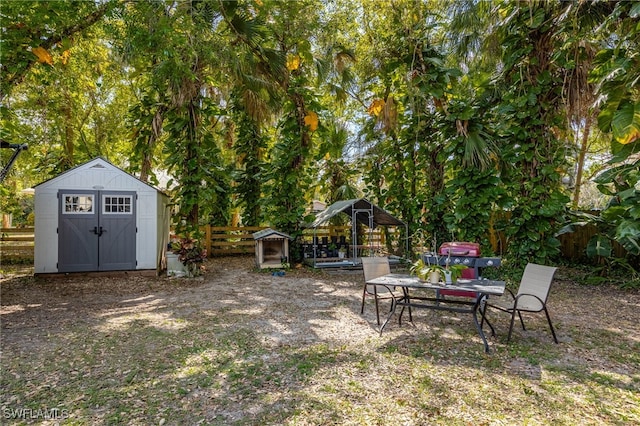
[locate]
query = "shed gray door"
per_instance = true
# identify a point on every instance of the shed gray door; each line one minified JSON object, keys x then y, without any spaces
{"x":97,"y":231}
{"x":77,"y":231}
{"x":117,"y":242}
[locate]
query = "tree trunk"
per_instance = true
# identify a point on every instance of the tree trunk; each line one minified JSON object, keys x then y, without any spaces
{"x":147,"y":157}
{"x":192,"y":154}
{"x":583,"y":152}
{"x":68,"y":133}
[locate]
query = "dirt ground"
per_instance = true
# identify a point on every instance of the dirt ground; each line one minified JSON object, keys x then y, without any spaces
{"x":43,"y":304}
{"x":303,"y":305}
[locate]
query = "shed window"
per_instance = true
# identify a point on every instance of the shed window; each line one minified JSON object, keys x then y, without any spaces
{"x":120,"y":204}
{"x":78,"y":203}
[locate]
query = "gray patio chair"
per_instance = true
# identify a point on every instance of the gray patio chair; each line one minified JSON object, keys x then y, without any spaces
{"x":531,"y":297}
{"x":374,"y":267}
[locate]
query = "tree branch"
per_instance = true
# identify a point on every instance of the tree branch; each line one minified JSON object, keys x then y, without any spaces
{"x":81,"y":24}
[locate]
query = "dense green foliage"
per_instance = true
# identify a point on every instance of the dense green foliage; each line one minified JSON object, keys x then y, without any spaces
{"x":459,"y":117}
{"x":616,"y":72}
{"x":529,"y":110}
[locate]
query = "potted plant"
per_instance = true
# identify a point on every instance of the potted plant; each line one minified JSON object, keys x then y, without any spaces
{"x":427,"y":272}
{"x":453,"y":272}
{"x":190,"y":254}
{"x":332,"y":249}
{"x":342,"y":252}
{"x":435,"y":273}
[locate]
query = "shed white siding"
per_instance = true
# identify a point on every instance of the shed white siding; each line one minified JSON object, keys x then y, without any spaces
{"x":98,"y":174}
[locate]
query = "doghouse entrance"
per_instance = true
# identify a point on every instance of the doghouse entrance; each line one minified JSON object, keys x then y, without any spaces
{"x":273,"y":251}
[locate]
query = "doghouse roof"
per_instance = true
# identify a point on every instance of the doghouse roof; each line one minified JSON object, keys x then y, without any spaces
{"x":269,"y":233}
{"x":359,"y":209}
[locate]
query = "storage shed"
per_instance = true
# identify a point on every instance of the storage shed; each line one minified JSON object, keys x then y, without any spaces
{"x":97,"y":217}
{"x":272,"y":248}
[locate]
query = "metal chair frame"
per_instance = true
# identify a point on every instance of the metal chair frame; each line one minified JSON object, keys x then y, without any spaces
{"x":374,"y":267}
{"x":531,"y":297}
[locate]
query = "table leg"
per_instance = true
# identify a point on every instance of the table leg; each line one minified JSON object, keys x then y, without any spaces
{"x":477,"y":323}
{"x":483,"y":311}
{"x":391,"y":312}
{"x":406,"y":299}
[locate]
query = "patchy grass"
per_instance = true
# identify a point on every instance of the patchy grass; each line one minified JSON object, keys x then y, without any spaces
{"x":239,"y":347}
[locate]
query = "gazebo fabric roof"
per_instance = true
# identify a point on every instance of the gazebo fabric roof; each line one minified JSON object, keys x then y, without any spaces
{"x":380,"y":216}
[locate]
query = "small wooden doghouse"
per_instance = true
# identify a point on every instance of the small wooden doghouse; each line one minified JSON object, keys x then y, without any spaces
{"x":272,"y":248}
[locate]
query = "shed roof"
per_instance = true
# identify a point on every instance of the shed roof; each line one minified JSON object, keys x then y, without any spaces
{"x":97,"y":163}
{"x":362,"y":208}
{"x":270,"y":233}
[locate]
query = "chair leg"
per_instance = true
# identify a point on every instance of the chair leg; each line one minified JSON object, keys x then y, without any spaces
{"x":513,"y":318}
{"x":553,"y":332}
{"x":364,"y":294}
{"x":377,"y":311}
{"x":407,"y":299}
{"x":521,"y":322}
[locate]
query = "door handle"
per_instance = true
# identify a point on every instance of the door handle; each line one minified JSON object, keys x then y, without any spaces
{"x":98,"y":231}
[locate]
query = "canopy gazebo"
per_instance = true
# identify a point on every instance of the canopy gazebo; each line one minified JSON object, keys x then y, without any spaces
{"x":361,"y":211}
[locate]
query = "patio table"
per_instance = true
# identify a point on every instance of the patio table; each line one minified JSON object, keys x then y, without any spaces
{"x":411,"y":285}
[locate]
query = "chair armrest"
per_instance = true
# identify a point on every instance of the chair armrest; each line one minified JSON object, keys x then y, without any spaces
{"x":519,"y":296}
{"x":503,"y":305}
{"x":390,"y":288}
{"x":513,"y":296}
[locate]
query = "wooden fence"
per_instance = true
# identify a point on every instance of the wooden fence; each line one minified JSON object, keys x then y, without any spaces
{"x":230,"y":240}
{"x":16,"y":244}
{"x":573,"y":245}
